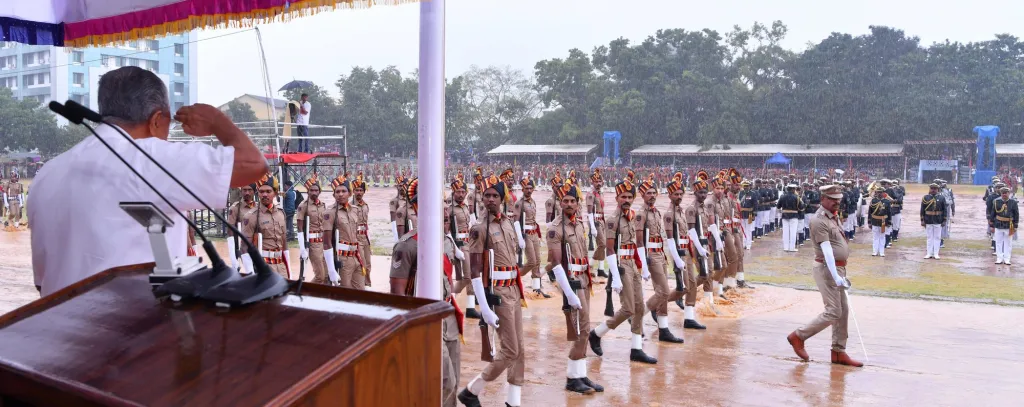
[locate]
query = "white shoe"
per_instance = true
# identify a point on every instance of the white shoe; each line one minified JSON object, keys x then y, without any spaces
{"x":1006,"y":262}
{"x":999,"y":261}
{"x":928,"y":256}
{"x":883,"y":254}
{"x":874,"y":254}
{"x":936,"y":257}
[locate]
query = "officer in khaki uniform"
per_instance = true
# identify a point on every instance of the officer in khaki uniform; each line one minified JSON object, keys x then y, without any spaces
{"x":651,"y":234}
{"x":628,"y":271}
{"x":464,"y":216}
{"x":398,"y":201}
{"x":714,"y":214}
{"x":236,"y":212}
{"x":342,"y":220}
{"x":363,"y":228}
{"x":406,"y":216}
{"x":266,"y":226}
{"x":403,"y":282}
{"x":567,"y":259}
{"x":313,"y":211}
{"x":552,"y":208}
{"x":700,"y":265}
{"x":734,"y":253}
{"x":14,"y":199}
{"x":525,"y":213}
{"x":830,"y":255}
{"x":595,"y":220}
{"x":492,"y":248}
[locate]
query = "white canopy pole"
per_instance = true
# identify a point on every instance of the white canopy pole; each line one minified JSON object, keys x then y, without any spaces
{"x":431,"y":149}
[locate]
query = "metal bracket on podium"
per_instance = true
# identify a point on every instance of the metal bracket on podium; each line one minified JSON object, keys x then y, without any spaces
{"x":156,"y":223}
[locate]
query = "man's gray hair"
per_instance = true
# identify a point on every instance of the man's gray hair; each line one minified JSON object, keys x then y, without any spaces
{"x":131,"y":94}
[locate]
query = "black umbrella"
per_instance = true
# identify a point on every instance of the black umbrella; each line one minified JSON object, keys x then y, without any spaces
{"x":296,"y":85}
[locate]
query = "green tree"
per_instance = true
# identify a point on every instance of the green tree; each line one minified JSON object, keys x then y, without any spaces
{"x":24,"y":125}
{"x":240,"y":112}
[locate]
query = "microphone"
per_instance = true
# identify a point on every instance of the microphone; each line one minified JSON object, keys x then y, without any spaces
{"x":263,"y":284}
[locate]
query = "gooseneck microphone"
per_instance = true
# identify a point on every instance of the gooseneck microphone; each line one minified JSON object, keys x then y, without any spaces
{"x":211,"y":284}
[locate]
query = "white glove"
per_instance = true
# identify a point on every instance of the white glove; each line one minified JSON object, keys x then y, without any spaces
{"x":486,"y":313}
{"x":459,"y":254}
{"x":21,"y":200}
{"x":231,"y":253}
{"x":590,"y":219}
{"x":613,"y":269}
{"x":717,"y":234}
{"x":645,"y":272}
{"x":563,"y":283}
{"x":830,"y":262}
{"x":472,"y":219}
{"x":303,"y":251}
{"x":394,"y":230}
{"x":332,"y":272}
{"x":695,"y":242}
{"x":675,"y":255}
{"x":519,"y":235}
{"x":247,"y":263}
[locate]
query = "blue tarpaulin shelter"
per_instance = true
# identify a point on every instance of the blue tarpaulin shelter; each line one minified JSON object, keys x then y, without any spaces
{"x":778,"y":158}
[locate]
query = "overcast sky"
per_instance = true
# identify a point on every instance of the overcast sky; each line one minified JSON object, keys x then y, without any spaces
{"x":521,"y":32}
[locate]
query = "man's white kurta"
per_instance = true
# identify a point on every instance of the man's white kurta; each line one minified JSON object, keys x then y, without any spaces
{"x":79,"y":230}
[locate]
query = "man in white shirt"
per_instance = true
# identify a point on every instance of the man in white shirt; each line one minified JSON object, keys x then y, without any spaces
{"x":302,"y":122}
{"x":78,"y":228}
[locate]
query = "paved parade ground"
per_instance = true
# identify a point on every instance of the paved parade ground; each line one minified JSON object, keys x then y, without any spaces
{"x":920,"y":352}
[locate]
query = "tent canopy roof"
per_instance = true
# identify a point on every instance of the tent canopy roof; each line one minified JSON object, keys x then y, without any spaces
{"x":543,"y":149}
{"x":768,"y":150}
{"x":1010,"y":150}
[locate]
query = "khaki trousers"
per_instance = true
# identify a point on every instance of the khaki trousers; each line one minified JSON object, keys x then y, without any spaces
{"x":511,"y":355}
{"x":531,"y":259}
{"x":693,"y":280}
{"x":280,"y":269}
{"x":15,"y":212}
{"x":631,"y":299}
{"x":451,"y":353}
{"x":600,"y":242}
{"x":579,"y":347}
{"x":365,"y":251}
{"x":663,"y":292}
{"x":351,"y":273}
{"x":317,"y":262}
{"x":733,"y":253}
{"x":837,"y":310}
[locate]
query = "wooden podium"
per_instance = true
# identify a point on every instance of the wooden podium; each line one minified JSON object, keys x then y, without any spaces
{"x":107,"y":341}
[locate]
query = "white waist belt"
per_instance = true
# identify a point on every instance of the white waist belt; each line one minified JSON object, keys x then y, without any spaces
{"x":577,"y":268}
{"x":655,"y":245}
{"x":314,"y":236}
{"x":529,"y":227}
{"x":625,"y":252}
{"x":462,"y":235}
{"x":361,"y":228}
{"x":347,"y":247}
{"x":683,"y":243}
{"x":503,"y":275}
{"x":598,"y":216}
{"x":726,"y":221}
{"x":271,"y":255}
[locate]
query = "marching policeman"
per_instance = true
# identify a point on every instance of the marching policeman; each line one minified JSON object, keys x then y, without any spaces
{"x":312,"y":214}
{"x":789,"y":204}
{"x":652,"y":237}
{"x":878,"y":218}
{"x":1004,"y":221}
{"x":933,"y":216}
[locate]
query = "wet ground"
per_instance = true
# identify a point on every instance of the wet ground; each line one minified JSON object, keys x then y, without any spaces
{"x":921,"y":352}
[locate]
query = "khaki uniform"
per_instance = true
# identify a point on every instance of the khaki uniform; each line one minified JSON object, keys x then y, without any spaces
{"x":14,"y":189}
{"x":825,"y":227}
{"x":403,"y":266}
{"x":344,"y":219}
{"x":631,"y":299}
{"x":576,"y":267}
{"x":728,"y":210}
{"x":317,"y":213}
{"x":714,"y":212}
{"x":734,"y":251}
{"x":595,"y":207}
{"x":406,"y":217}
{"x":552,"y":209}
{"x":526,"y":213}
{"x":650,"y":218}
{"x":693,"y":277}
{"x":500,"y":235}
{"x":462,"y":277}
{"x":270,"y":223}
{"x":363,"y":234}
{"x":394,"y":204}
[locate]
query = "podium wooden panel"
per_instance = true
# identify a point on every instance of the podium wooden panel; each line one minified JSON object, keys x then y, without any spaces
{"x":107,"y":341}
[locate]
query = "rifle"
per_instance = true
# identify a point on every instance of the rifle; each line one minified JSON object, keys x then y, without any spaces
{"x":590,"y":236}
{"x":716,"y":256}
{"x":452,"y":229}
{"x":675,"y":237}
{"x":336,"y":235}
{"x":572,"y":316}
{"x":609,"y":307}
{"x":701,"y":261}
{"x":238,"y":247}
{"x":522,"y":231}
{"x":305,"y":245}
{"x":487,"y":348}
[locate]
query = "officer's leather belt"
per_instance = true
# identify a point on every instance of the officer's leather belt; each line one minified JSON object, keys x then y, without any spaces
{"x":878,"y":217}
{"x":839,"y":263}
{"x":895,"y":205}
{"x":790,"y":211}
{"x":933,"y":213}
{"x":1004,"y":219}
{"x":746,"y":209}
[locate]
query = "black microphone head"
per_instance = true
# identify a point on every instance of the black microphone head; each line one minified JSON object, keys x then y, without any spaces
{"x":59,"y":109}
{"x":81,"y":111}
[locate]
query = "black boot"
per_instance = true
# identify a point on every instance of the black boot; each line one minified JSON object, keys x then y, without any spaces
{"x":654,"y":316}
{"x":577,"y":385}
{"x":638,"y":355}
{"x":942,"y":243}
{"x":743,"y":284}
{"x":597,"y":387}
{"x":664,"y":335}
{"x":601,"y":273}
{"x":551,"y":277}
{"x":541,"y":293}
{"x":680,"y":304}
{"x":472,"y":313}
{"x":693,"y":324}
{"x":595,"y":344}
{"x":468,"y":399}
